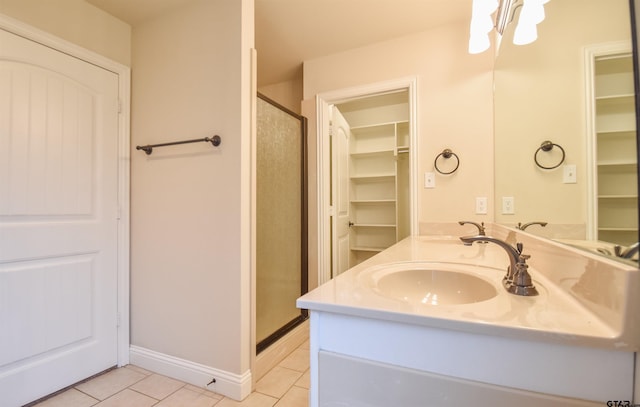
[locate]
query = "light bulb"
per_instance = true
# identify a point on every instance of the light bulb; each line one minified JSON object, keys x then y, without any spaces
{"x":479,"y":43}
{"x":485,"y":7}
{"x":533,"y":10}
{"x":531,"y":15}
{"x":525,"y":33}
{"x":481,"y":25}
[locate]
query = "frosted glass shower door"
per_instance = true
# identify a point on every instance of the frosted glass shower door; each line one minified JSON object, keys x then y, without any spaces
{"x":281,"y":246}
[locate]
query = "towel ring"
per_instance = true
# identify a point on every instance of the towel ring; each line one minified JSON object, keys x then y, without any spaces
{"x":447,"y":153}
{"x":548,"y":146}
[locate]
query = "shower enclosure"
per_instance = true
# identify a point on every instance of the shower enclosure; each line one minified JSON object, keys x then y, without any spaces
{"x":281,"y":211}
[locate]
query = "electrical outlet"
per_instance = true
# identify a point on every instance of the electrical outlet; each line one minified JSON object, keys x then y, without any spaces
{"x":429,"y":179}
{"x":508,"y":205}
{"x":481,"y":205}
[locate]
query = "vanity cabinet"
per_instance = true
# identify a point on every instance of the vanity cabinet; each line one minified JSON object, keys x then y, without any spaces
{"x":616,"y":158}
{"x":370,"y":362}
{"x":379,"y":187}
{"x":375,"y":341}
{"x":343,"y":378}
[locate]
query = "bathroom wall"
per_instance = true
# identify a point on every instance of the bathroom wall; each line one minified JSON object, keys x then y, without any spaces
{"x":190,"y":205}
{"x":190,"y":229}
{"x":455,"y":110}
{"x":287,"y":94}
{"x":75,"y":21}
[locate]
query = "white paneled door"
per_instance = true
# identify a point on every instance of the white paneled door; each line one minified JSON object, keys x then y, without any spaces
{"x":58,"y":219}
{"x":340,"y":134}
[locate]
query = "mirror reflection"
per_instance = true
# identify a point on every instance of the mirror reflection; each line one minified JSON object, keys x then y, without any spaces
{"x":572,"y":89}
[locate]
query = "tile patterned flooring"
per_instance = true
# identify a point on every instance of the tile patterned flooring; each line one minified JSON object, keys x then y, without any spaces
{"x":286,"y":385}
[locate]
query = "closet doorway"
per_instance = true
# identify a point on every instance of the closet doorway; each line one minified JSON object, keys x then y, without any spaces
{"x":612,"y":196}
{"x":367,"y":173}
{"x":281,"y":220}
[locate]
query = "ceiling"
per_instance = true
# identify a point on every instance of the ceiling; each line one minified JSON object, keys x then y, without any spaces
{"x":291,"y":31}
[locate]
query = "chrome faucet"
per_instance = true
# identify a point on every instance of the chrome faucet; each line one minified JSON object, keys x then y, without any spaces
{"x":629,"y":253}
{"x":480,"y":226}
{"x":517,"y":280}
{"x":526,"y":225}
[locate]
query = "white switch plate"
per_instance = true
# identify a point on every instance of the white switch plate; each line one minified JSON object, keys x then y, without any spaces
{"x":508,"y":205}
{"x":569,"y":174}
{"x":481,"y":205}
{"x":429,"y":179}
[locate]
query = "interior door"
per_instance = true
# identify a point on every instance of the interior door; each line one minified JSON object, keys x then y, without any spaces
{"x":340,"y":133}
{"x":58,"y":220}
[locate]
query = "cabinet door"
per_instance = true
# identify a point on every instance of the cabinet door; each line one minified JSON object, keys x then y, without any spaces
{"x":349,"y":381}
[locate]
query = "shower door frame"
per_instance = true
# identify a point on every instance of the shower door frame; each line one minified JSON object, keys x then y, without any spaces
{"x":304,"y":266}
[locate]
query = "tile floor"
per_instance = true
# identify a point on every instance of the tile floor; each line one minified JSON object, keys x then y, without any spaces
{"x":286,"y":385}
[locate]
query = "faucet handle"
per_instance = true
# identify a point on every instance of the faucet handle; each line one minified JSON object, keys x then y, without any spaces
{"x":617,"y":250}
{"x":480,"y":226}
{"x":522,"y":258}
{"x":521,"y":282}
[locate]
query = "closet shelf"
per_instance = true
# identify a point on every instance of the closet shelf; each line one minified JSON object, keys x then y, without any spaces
{"x":367,"y":249}
{"x":617,"y":133}
{"x":378,"y":163}
{"x":375,"y":127}
{"x":372,"y":177}
{"x":614,"y":229}
{"x":616,"y":165}
{"x":372,"y":201}
{"x":617,"y":196}
{"x":372,"y":225}
{"x":615,"y":98}
{"x":375,"y":153}
{"x":619,"y":164}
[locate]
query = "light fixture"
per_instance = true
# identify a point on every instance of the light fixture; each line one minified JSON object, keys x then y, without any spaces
{"x":481,"y":25}
{"x":526,"y":31}
{"x":531,"y":15}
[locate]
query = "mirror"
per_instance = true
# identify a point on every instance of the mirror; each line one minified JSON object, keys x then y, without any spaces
{"x":573,"y":87}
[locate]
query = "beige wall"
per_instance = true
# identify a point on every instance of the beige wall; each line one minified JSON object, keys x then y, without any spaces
{"x":288,"y":94}
{"x":190,"y":274}
{"x":75,"y":21}
{"x":454,"y":109}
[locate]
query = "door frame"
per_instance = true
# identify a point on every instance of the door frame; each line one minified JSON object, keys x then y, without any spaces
{"x":325,"y":211}
{"x":124,"y":85}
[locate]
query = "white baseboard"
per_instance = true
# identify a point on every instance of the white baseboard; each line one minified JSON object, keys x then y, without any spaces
{"x":228,"y":384}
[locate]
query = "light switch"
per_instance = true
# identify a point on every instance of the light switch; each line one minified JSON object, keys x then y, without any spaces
{"x":569,"y":174}
{"x":429,"y":179}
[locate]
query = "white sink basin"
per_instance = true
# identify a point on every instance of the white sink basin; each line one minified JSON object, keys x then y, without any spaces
{"x":428,"y":283}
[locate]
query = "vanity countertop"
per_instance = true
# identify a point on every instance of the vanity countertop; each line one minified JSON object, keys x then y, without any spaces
{"x":559,"y":314}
